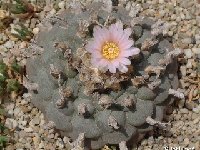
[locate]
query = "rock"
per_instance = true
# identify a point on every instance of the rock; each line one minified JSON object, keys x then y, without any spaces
{"x":161,"y":1}
{"x":10,"y":147}
{"x":60,"y":143}
{"x":197,"y":145}
{"x":36,"y":30}
{"x":184,"y":111}
{"x":35,"y":121}
{"x":36,"y":140}
{"x":186,"y":141}
{"x":195,"y":121}
{"x":183,"y":70}
{"x":61,"y":5}
{"x":194,"y":116}
{"x":24,"y":102}
{"x":188,"y":53}
{"x":187,"y":40}
{"x":10,"y":108}
{"x":3,"y":14}
{"x":29,"y":129}
{"x":25,"y":109}
{"x":23,"y":123}
{"x":17,"y":111}
{"x":196,"y":50}
{"x":9,"y":44}
{"x":66,"y":140}
{"x":34,"y":111}
{"x":11,"y":123}
{"x":190,"y":105}
{"x":41,"y":145}
{"x":189,"y":63}
{"x":33,"y":23}
{"x":180,"y":139}
{"x":51,"y":136}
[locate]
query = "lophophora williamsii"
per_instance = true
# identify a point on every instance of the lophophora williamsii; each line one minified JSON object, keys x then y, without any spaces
{"x":101,"y":76}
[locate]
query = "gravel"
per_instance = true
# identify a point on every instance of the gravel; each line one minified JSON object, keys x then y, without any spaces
{"x":30,"y":128}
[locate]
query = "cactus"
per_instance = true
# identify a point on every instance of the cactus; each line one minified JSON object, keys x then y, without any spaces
{"x":108,"y":108}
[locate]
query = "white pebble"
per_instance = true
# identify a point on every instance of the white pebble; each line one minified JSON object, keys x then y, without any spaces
{"x":161,"y":1}
{"x":41,"y":145}
{"x":197,"y":37}
{"x":23,"y":44}
{"x":9,"y":44}
{"x":60,"y":143}
{"x":195,"y":121}
{"x":183,"y":70}
{"x":187,"y":40}
{"x":186,"y":141}
{"x":36,"y":31}
{"x":189,"y":63}
{"x":61,"y":5}
{"x":17,"y":111}
{"x":28,"y":129}
{"x":188,"y":53}
{"x":11,"y":123}
{"x":52,"y":12}
{"x":196,"y":50}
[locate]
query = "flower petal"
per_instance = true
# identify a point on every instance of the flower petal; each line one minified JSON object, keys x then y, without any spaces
{"x":125,"y":61}
{"x":125,"y":44}
{"x":101,"y":34}
{"x":89,"y":46}
{"x":115,"y":62}
{"x":93,"y":45}
{"x":95,"y":62}
{"x":112,"y":68}
{"x":123,"y":68}
{"x":115,"y":33}
{"x":96,"y":30}
{"x":134,"y":50}
{"x":130,"y":52}
{"x":119,"y":25}
{"x":96,"y":54}
{"x":103,"y":63}
{"x":128,"y":32}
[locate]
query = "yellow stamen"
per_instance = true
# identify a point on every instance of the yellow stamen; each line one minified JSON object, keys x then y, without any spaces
{"x":110,"y":50}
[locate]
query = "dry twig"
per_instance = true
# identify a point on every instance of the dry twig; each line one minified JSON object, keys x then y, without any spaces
{"x":113,"y":122}
{"x":159,"y":124}
{"x":176,"y":94}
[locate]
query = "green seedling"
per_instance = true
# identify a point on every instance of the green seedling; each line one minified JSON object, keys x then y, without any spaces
{"x":23,"y":33}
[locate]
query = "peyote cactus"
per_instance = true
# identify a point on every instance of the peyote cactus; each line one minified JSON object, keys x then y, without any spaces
{"x":80,"y":98}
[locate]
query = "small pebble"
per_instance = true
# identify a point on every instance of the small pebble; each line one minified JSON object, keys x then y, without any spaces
{"x":61,"y":5}
{"x":184,"y":111}
{"x":183,"y":70}
{"x":188,"y":53}
{"x":186,"y":40}
{"x":196,"y":50}
{"x":186,"y":141}
{"x":28,"y":129}
{"x":36,"y":31}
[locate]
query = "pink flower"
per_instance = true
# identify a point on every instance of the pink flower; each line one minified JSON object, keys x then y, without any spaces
{"x":111,"y":47}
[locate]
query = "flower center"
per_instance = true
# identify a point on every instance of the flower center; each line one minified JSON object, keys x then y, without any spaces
{"x":110,"y":50}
